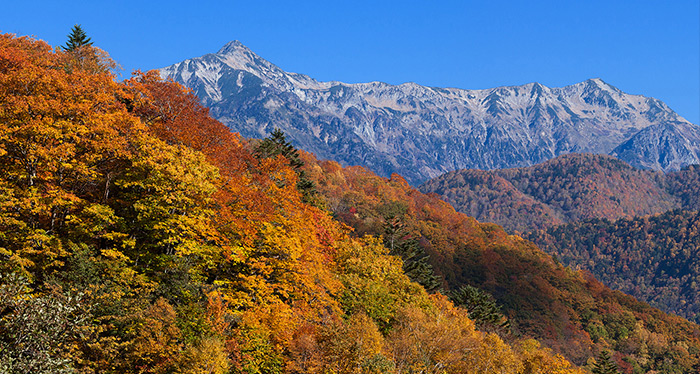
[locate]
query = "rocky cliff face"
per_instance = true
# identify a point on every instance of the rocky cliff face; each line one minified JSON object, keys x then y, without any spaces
{"x":667,"y":146}
{"x":421,"y":132}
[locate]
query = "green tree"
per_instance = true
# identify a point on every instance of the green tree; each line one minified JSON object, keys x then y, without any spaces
{"x":482,"y":307}
{"x":400,"y":242}
{"x":277,"y":144}
{"x":605,"y":364}
{"x":81,"y":55}
{"x":76,"y":39}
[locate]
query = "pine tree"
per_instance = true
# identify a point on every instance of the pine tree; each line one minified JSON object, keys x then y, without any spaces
{"x":604,"y":364}
{"x":81,"y":55}
{"x":277,"y":144}
{"x":482,"y":307}
{"x":76,"y":39}
{"x":399,"y":242}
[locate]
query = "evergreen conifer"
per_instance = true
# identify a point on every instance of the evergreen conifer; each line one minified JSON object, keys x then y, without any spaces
{"x":76,"y":39}
{"x":482,"y":307}
{"x":605,"y":364}
{"x":399,"y":242}
{"x":277,"y":144}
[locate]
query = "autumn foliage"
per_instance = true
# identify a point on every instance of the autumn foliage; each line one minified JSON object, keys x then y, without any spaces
{"x":566,"y":189}
{"x":655,"y":258}
{"x":137,"y":234}
{"x":565,"y":309}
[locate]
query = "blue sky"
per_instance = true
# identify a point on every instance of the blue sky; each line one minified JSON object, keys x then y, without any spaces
{"x":642,"y":47}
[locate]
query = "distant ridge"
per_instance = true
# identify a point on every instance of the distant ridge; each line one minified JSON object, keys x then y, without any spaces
{"x":421,"y":132}
{"x":566,"y":189}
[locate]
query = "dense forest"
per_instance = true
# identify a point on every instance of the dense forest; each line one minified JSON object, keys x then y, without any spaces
{"x":566,"y":309}
{"x":566,"y":189}
{"x":568,"y":207}
{"x":139,"y":235}
{"x":653,"y":258}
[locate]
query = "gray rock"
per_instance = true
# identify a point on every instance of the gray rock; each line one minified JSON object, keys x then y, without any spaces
{"x":420,"y":132}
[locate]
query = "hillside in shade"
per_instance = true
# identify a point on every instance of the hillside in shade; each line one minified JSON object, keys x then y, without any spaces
{"x":566,"y":189}
{"x":421,"y":132}
{"x":566,"y":309}
{"x":592,"y":212}
{"x":654,"y":258}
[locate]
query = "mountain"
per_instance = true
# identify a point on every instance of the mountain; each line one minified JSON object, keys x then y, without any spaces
{"x":566,"y":189}
{"x":421,"y":132}
{"x":666,"y":146}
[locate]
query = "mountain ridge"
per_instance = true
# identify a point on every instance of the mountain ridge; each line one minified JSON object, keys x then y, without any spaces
{"x":421,"y":132}
{"x":565,"y":189}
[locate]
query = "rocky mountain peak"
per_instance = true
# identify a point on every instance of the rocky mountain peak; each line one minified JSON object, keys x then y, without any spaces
{"x":421,"y":132}
{"x":233,"y":47}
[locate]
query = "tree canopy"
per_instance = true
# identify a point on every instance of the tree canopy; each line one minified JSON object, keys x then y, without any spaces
{"x":137,"y":234}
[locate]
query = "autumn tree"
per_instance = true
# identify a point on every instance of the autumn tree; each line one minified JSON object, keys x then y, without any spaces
{"x":353,"y":346}
{"x":444,"y":340}
{"x":90,"y":199}
{"x":538,"y":359}
{"x":374,"y":281}
{"x":64,"y":138}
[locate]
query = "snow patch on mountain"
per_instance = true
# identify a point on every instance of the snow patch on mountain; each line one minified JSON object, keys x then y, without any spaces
{"x":421,"y":132}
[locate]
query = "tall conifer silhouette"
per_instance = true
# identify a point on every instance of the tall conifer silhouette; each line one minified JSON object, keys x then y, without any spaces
{"x":76,"y":39}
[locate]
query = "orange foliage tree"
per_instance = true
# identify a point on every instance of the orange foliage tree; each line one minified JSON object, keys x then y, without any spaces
{"x":167,"y":245}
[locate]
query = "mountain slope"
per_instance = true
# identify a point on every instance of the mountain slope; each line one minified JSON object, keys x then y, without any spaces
{"x":654,"y":258}
{"x":421,"y":132}
{"x":562,"y":190}
{"x":567,"y":310}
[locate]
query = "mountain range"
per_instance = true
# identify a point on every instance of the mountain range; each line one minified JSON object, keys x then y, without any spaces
{"x":421,"y":132}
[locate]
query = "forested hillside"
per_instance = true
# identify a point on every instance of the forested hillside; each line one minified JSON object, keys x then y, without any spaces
{"x":655,"y":258}
{"x":566,"y":309}
{"x":569,"y":206}
{"x":139,"y":235}
{"x":566,"y":189}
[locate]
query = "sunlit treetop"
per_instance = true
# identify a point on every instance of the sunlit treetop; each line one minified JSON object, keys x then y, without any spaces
{"x":77,"y":38}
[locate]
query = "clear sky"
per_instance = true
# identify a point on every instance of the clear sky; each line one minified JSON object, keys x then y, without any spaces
{"x":642,"y":47}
